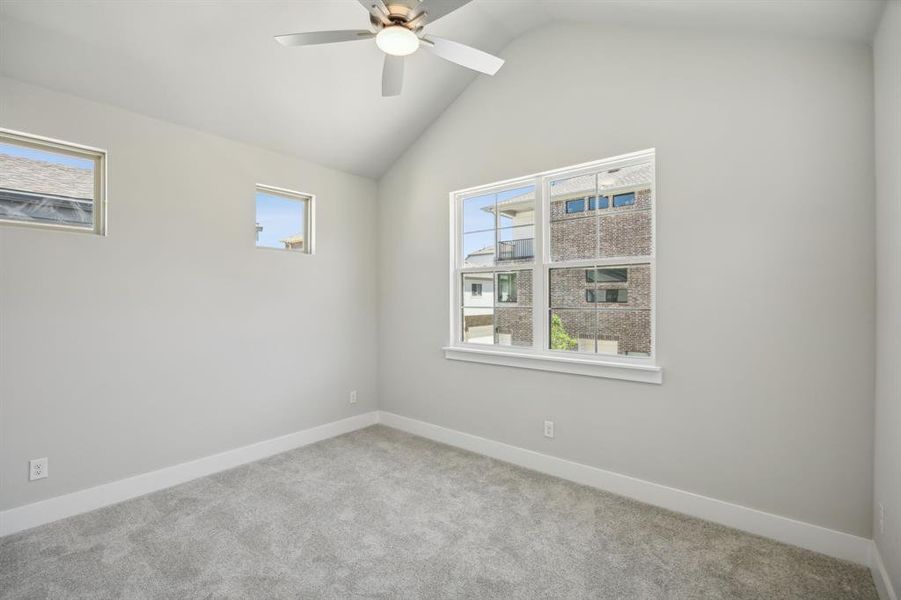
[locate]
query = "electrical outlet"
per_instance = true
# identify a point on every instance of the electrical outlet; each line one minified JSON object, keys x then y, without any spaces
{"x":353,"y":397}
{"x":548,"y":429}
{"x":37,"y":469}
{"x":881,"y":519}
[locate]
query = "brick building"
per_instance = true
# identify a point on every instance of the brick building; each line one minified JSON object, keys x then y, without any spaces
{"x":594,"y":308}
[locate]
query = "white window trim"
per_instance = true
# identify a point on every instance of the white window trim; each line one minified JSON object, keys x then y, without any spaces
{"x":310,"y":217}
{"x":99,"y":157}
{"x":641,"y":369}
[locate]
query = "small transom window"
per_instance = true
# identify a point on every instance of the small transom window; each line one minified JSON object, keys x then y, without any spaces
{"x":284,"y":219}
{"x":51,"y":184}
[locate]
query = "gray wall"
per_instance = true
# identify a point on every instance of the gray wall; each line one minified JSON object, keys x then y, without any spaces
{"x":887,"y":66}
{"x":765,"y":266}
{"x":174,"y":337}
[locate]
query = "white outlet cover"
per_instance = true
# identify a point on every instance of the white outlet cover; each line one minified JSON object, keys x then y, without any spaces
{"x":549,"y":429}
{"x":353,"y":397}
{"x":38,"y":468}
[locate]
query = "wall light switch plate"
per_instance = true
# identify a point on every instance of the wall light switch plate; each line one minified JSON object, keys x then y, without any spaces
{"x":37,"y":469}
{"x":353,"y":397}
{"x":548,"y":429}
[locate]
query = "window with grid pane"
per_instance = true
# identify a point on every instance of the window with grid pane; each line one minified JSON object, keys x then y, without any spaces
{"x":497,"y":239}
{"x":605,"y":308}
{"x":565,"y":259}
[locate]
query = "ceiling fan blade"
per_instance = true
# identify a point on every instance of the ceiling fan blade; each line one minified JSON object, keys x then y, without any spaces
{"x":463,"y":55}
{"x":311,"y":38}
{"x":436,"y":8}
{"x":392,"y":75}
{"x":377,"y":9}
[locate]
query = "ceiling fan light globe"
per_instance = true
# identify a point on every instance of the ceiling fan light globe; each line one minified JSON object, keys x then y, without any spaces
{"x":397,"y":40}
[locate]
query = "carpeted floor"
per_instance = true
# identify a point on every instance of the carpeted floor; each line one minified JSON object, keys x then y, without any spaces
{"x":381,"y":514}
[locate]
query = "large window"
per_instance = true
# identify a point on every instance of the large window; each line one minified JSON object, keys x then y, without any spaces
{"x":569,"y":257}
{"x":52,"y":184}
{"x":284,"y":219}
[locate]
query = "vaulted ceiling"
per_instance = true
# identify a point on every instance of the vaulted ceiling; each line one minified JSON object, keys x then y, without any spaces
{"x":213,"y":65}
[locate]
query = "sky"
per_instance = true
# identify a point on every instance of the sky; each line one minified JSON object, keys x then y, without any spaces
{"x":280,"y":217}
{"x":51,"y":157}
{"x":476,"y":220}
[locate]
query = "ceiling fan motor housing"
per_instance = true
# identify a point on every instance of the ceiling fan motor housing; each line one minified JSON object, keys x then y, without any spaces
{"x":399,"y":14}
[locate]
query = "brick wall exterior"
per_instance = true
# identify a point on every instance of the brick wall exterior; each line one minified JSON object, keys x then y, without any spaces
{"x":514,"y":322}
{"x":631,"y":328}
{"x":568,"y":287}
{"x":515,"y":318}
{"x":604,"y":232}
{"x":628,"y":323}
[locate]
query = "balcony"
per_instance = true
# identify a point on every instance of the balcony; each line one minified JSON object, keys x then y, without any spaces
{"x":515,"y":249}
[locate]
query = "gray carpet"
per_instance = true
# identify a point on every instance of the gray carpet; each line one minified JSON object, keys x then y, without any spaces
{"x":382,"y":514}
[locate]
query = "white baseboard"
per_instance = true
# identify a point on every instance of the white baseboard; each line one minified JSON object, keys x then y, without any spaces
{"x":813,"y":537}
{"x":60,"y":507}
{"x":880,"y":575}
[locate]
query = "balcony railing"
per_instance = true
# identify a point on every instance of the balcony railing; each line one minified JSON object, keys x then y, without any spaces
{"x":515,"y":249}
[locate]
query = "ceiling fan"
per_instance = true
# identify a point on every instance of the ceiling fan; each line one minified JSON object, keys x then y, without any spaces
{"x":398,"y":28}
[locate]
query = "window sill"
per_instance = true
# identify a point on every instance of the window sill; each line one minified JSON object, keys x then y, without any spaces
{"x":560,"y":364}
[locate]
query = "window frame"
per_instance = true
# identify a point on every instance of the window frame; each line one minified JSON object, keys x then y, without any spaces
{"x":591,"y":296}
{"x":573,"y":202}
{"x":615,"y":195}
{"x":309,"y":201}
{"x":588,"y":278}
{"x":539,"y":355}
{"x":511,"y":277}
{"x":97,"y":155}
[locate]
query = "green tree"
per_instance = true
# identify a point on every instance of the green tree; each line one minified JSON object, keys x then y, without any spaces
{"x":560,"y":339}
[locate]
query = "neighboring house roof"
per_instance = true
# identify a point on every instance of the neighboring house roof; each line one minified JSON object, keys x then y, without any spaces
{"x":294,"y":240}
{"x":485,"y":250}
{"x":482,"y":276}
{"x":40,"y":191}
{"x":37,"y":176}
{"x":611,"y":181}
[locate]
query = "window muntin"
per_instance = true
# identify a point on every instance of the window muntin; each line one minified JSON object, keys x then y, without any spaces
{"x":284,"y":220}
{"x":54,"y":184}
{"x":596,"y":223}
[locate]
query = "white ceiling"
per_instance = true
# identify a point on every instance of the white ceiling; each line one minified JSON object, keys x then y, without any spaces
{"x":214,"y":66}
